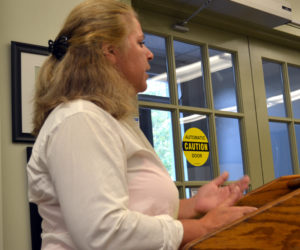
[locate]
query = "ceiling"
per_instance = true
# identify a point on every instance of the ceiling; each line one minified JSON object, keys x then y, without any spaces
{"x":266,"y":13}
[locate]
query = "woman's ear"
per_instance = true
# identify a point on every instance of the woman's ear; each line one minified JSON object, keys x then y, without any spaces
{"x":109,"y":51}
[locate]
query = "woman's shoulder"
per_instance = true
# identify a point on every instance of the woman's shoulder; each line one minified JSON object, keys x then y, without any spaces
{"x":73,"y":111}
{"x":78,"y":108}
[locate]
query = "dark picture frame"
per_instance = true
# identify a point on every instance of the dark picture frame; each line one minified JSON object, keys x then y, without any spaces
{"x":25,"y":62}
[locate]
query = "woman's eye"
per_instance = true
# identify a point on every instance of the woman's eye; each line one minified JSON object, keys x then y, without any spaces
{"x":142,"y":43}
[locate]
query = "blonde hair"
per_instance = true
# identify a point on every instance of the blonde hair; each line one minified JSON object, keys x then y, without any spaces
{"x":84,"y":72}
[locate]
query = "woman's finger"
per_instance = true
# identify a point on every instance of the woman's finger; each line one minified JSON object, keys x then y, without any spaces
{"x":234,"y":196}
{"x":221,"y":179}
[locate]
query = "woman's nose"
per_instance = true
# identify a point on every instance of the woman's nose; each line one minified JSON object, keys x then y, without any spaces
{"x":150,"y":55}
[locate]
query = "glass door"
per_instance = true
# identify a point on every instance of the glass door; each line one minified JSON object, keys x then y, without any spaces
{"x":276,"y":79}
{"x":200,"y":80}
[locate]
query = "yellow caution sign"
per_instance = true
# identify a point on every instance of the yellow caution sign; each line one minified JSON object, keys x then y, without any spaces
{"x":195,"y":147}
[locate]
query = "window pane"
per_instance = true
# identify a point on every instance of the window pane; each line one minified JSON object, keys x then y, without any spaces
{"x":158,"y":85}
{"x":297,"y":129}
{"x":274,"y":88}
{"x":157,"y":126}
{"x":191,"y":172}
{"x":229,"y":147}
{"x":281,"y":149}
{"x":189,"y":74}
{"x":223,"y":80}
{"x":190,"y":192}
{"x":294,"y":78}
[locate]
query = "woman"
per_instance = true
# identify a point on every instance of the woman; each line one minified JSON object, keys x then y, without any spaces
{"x":97,"y":181}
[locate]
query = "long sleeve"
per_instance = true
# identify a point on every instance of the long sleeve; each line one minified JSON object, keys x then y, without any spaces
{"x":88,"y":166}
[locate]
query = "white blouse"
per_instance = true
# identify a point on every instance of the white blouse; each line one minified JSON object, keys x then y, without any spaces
{"x":99,"y":184}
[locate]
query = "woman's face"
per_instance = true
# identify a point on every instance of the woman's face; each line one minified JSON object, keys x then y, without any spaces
{"x":133,"y":62}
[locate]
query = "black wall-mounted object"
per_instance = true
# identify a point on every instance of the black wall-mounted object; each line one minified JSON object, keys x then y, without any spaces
{"x":35,"y":218}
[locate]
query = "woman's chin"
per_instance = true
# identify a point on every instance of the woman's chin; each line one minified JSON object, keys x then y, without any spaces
{"x":141,"y":88}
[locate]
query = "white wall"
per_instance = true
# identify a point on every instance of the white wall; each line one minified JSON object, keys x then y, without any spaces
{"x":30,"y":21}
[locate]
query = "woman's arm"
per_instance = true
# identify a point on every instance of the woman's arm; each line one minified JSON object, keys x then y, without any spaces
{"x":187,"y":209}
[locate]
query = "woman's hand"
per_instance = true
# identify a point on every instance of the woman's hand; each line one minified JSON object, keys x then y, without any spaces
{"x":219,"y":216}
{"x":226,"y":212}
{"x":213,"y":194}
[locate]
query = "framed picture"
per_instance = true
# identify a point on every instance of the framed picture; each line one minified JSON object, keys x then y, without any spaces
{"x":26,"y":60}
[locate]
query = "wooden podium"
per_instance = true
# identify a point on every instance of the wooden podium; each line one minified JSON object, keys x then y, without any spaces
{"x":275,"y":225}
